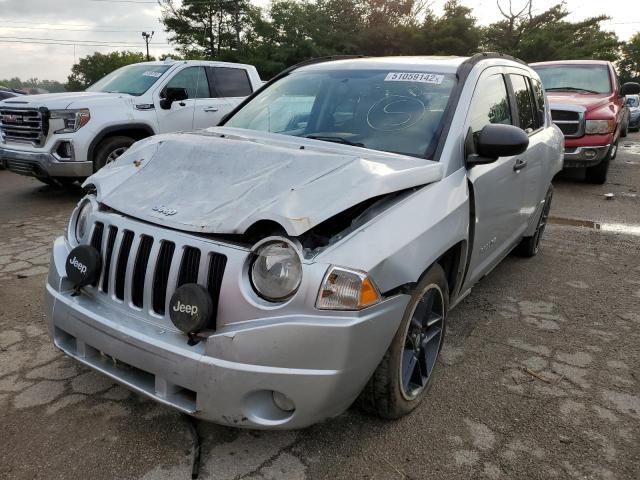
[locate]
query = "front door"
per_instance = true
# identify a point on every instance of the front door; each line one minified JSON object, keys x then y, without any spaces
{"x":498,"y":187}
{"x":180,"y":117}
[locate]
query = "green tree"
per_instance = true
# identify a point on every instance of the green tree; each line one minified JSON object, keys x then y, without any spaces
{"x":549,"y":36}
{"x":92,"y":68}
{"x":207,"y":29}
{"x":454,"y":33}
{"x":33,"y":85}
{"x":629,"y":64}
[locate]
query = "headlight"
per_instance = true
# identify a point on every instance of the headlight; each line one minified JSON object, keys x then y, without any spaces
{"x":73,"y":119}
{"x":276,"y":271}
{"x":345,"y":289}
{"x":81,"y":227}
{"x":600,"y":126}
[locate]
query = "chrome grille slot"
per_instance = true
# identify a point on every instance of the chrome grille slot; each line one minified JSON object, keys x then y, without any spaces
{"x":570,"y":122}
{"x":22,"y":125}
{"x":139,"y":271}
{"x":217,"y":264}
{"x":96,"y":241}
{"x":161,"y":278}
{"x":106,"y":258}
{"x":121,"y":266}
{"x":189,"y":266}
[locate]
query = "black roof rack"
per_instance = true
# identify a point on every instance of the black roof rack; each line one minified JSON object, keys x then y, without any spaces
{"x":486,"y":55}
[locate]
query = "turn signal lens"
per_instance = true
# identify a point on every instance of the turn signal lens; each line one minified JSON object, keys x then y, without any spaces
{"x":344,"y":289}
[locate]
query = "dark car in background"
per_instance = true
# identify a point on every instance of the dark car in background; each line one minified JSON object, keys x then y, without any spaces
{"x":633,"y":104}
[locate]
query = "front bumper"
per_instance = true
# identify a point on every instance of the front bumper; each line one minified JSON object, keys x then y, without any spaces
{"x":634,"y":122}
{"x":320,"y":361}
{"x":577,"y":157}
{"x":42,"y":164}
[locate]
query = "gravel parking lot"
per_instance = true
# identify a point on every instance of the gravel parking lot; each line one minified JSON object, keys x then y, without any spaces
{"x":540,"y":376}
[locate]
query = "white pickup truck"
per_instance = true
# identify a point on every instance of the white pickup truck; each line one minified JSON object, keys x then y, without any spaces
{"x":63,"y":137}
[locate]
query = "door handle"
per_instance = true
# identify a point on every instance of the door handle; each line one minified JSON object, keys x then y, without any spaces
{"x":519,"y":165}
{"x":211,"y":109}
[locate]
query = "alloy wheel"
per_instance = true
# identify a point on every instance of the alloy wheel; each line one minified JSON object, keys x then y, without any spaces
{"x":115,"y":154}
{"x":422,"y":342}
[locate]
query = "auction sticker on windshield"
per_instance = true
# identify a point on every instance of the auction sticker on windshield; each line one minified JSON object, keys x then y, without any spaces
{"x":414,"y":77}
{"x":152,"y":74}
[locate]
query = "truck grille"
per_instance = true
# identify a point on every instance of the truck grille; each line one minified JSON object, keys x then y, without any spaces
{"x":142,"y":271}
{"x":570,"y":122}
{"x":22,"y":125}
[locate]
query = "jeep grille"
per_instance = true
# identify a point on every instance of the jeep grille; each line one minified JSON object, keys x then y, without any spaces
{"x":143,"y":272}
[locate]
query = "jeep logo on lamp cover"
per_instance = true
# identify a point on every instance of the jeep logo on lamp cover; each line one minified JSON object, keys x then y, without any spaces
{"x":83,"y":266}
{"x":191,"y":308}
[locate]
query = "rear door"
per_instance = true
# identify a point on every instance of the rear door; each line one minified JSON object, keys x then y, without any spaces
{"x":498,"y":187}
{"x":531,"y":118}
{"x":229,"y":86}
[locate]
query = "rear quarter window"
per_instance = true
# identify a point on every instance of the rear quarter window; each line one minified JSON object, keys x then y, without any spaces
{"x":231,"y":82}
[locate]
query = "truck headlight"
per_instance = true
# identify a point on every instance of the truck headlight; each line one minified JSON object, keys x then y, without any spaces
{"x":345,"y":289}
{"x":276,"y":271}
{"x":600,"y":126}
{"x":73,"y":120}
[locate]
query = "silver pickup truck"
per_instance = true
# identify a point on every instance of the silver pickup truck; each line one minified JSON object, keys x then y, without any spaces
{"x":269,"y":272}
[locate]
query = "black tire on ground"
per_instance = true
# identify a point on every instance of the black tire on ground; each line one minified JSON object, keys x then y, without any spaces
{"x":624,"y":130}
{"x":109,"y":149}
{"x":598,"y":173}
{"x":530,"y":246}
{"x":383,"y":395}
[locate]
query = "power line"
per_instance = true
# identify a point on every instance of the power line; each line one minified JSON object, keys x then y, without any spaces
{"x":67,"y":29}
{"x":93,"y":45}
{"x":68,"y":24}
{"x":72,"y":41}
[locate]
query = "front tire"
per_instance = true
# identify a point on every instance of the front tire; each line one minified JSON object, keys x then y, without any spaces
{"x":110,"y":149}
{"x":598,"y":173}
{"x":405,"y":374}
{"x":624,"y":130}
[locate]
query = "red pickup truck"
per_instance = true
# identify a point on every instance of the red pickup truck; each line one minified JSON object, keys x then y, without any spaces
{"x":587,"y":103}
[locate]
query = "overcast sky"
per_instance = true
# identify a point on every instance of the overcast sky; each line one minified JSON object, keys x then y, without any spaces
{"x":118,"y":24}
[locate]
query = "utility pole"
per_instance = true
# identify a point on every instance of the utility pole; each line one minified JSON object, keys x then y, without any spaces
{"x":147,"y":38}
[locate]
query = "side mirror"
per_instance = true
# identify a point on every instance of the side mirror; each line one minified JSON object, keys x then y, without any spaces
{"x":630,"y":88}
{"x":496,"y":140}
{"x":173,"y":95}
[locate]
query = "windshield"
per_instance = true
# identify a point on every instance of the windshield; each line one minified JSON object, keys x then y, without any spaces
{"x":633,"y":101}
{"x":132,"y":79}
{"x":397,"y":112}
{"x":588,"y":78}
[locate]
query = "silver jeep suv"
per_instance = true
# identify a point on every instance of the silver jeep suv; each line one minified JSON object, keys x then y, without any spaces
{"x":269,"y":272}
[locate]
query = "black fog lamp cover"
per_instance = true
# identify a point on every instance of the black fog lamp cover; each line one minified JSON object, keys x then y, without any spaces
{"x":83,"y":266}
{"x":191,"y":308}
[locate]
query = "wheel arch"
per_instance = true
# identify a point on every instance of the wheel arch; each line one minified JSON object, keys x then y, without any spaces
{"x":137,"y":131}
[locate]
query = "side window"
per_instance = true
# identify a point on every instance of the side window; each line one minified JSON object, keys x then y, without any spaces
{"x":194,"y":79}
{"x":490,"y":103}
{"x":526,"y":117}
{"x":231,"y":82}
{"x":538,"y":94}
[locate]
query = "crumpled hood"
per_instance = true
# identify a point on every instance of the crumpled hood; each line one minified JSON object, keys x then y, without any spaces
{"x":588,"y":101}
{"x":223,"y":181}
{"x":55,"y":101}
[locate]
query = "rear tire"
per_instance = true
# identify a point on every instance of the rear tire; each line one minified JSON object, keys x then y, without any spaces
{"x":395,"y":388}
{"x":530,"y":246}
{"x":598,"y":173}
{"x":110,"y":149}
{"x":624,"y":130}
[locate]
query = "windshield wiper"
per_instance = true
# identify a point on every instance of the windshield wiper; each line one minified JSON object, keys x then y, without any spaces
{"x":328,"y":138}
{"x":571,"y":89}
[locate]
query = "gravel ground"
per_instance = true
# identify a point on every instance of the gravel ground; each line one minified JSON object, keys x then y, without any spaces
{"x":539,"y":374}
